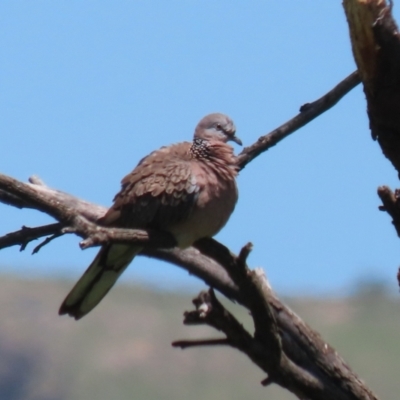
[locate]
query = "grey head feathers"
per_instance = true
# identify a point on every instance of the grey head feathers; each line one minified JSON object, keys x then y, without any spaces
{"x":218,"y":127}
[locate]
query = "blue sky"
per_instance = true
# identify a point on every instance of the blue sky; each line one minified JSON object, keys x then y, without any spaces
{"x":90,"y":87}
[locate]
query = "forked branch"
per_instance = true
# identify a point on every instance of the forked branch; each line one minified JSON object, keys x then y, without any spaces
{"x":290,"y":352}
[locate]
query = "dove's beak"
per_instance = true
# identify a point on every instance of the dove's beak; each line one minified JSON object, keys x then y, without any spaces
{"x":236,"y":140}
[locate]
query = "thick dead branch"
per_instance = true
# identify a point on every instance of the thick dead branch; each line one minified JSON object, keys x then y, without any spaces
{"x":303,"y":352}
{"x":300,"y":344}
{"x":254,"y":289}
{"x":59,"y":205}
{"x":211,"y":312}
{"x":75,"y":216}
{"x":376,"y":47}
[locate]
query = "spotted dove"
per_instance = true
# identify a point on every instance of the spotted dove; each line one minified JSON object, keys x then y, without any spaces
{"x":187,"y":189}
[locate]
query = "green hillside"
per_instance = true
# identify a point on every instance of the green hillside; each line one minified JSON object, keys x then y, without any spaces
{"x":122,"y":349}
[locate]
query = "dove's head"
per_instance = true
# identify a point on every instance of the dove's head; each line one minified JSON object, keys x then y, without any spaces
{"x":216,"y":127}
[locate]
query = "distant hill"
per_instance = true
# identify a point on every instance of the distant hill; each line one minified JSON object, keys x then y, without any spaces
{"x":122,"y":349}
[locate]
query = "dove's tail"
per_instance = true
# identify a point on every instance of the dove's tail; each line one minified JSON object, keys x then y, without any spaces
{"x":98,"y":279}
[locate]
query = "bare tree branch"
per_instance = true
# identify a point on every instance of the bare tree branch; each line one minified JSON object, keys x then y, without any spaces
{"x":302,"y":354}
{"x":376,"y":47}
{"x":25,"y":235}
{"x":37,"y":195}
{"x":75,"y":216}
{"x":375,"y":41}
{"x":300,"y":343}
{"x":302,"y":382}
{"x":308,"y":112}
{"x":290,"y":352}
{"x":254,"y":289}
{"x":59,"y":205}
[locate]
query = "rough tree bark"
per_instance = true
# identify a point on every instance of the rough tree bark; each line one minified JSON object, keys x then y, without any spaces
{"x":375,"y":41}
{"x":291,"y":353}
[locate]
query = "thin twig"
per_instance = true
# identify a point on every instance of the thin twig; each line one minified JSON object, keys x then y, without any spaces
{"x":308,"y":112}
{"x":244,"y":253}
{"x":46,"y":241}
{"x":25,"y":235}
{"x":267,"y":381}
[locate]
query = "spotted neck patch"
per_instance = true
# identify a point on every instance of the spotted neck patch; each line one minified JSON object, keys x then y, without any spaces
{"x":200,"y":148}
